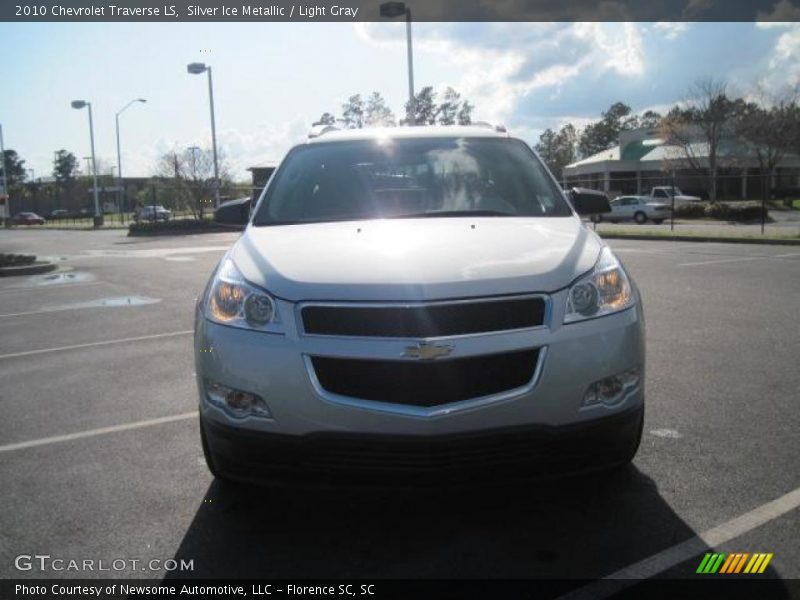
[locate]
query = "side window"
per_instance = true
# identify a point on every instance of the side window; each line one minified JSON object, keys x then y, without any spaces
{"x":660,"y":194}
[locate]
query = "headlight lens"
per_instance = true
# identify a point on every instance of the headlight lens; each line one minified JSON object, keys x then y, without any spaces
{"x":605,"y":290}
{"x":233,"y":301}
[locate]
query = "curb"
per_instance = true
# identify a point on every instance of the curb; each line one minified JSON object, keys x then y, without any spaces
{"x":691,"y":238}
{"x":34,"y":269}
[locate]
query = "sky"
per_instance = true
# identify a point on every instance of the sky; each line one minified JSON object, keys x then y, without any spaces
{"x":272,"y":80}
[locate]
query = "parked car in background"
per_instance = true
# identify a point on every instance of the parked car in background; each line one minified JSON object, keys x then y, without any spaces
{"x":233,"y":212}
{"x":59,"y":213}
{"x":152,"y":213}
{"x":664,"y":193}
{"x":27,"y":218}
{"x":637,"y":208}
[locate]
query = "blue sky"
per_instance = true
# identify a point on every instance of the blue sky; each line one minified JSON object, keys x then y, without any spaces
{"x":272,"y":80}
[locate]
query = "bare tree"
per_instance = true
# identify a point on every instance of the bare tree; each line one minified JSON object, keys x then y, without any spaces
{"x":190,"y":176}
{"x":766,"y":129}
{"x":696,"y":128}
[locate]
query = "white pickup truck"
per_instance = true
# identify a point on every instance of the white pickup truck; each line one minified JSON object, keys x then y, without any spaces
{"x":664,"y":194}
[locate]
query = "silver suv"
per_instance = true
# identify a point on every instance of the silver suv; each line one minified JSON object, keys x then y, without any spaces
{"x":418,"y":303}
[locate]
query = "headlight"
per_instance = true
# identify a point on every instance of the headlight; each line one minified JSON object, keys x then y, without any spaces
{"x":605,"y":290}
{"x":233,"y":301}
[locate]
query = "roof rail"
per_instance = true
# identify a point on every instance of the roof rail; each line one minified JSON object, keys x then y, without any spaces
{"x":499,"y":127}
{"x":318,"y":130}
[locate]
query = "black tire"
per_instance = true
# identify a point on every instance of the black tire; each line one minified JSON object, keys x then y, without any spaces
{"x":658,"y":221}
{"x":209,"y":458}
{"x":636,"y":441}
{"x":640,"y":218}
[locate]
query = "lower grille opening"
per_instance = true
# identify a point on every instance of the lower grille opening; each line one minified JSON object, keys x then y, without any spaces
{"x":426,"y":383}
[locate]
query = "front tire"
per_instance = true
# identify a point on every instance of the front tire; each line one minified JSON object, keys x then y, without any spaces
{"x":635,"y":442}
{"x":209,"y":457}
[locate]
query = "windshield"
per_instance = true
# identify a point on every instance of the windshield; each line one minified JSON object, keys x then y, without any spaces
{"x":412,"y":178}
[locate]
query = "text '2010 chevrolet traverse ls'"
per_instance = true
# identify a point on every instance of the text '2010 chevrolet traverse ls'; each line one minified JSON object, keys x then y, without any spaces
{"x":418,"y":301}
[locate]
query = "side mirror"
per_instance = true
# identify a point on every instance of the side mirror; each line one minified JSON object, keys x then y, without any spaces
{"x":589,"y":202}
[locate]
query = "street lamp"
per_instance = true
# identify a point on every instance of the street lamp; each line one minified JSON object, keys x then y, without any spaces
{"x":4,"y":180}
{"x":198,"y":69}
{"x":392,"y":10}
{"x":119,"y":155}
{"x":98,"y":216}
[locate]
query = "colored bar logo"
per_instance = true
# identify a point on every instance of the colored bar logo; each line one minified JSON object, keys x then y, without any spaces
{"x":734,"y":563}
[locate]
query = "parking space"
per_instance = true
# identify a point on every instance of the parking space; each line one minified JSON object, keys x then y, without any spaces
{"x":720,"y":434}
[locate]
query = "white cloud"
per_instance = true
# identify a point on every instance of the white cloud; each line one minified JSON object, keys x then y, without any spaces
{"x":241,"y":149}
{"x":671,"y":30}
{"x":497,"y":64}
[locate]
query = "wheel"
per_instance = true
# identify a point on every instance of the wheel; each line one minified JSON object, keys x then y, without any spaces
{"x":640,"y":218}
{"x":210,"y":459}
{"x":658,"y":221}
{"x":635,"y":441}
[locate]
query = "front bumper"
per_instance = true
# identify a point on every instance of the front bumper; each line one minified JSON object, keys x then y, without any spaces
{"x":507,"y":454}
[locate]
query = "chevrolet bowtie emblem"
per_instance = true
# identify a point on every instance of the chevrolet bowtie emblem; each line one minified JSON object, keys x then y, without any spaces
{"x":427,"y":351}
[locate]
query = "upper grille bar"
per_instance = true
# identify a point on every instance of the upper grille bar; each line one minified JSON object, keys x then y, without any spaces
{"x":424,"y":320}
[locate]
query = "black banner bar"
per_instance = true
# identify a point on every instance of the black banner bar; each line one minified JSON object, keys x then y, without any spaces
{"x":704,"y":586}
{"x":421,"y":10}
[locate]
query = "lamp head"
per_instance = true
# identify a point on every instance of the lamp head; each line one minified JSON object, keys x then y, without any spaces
{"x":393,"y":9}
{"x":79,"y":103}
{"x":196,"y":68}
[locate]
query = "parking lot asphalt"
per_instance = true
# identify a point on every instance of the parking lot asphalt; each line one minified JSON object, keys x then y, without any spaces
{"x":100,"y":456}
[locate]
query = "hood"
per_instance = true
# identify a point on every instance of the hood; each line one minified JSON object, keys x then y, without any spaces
{"x":416,"y":259}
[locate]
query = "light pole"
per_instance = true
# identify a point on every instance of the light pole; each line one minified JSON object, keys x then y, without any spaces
{"x":4,"y":188}
{"x":119,"y":154}
{"x":392,"y":10}
{"x":197,"y":69}
{"x":98,"y":216}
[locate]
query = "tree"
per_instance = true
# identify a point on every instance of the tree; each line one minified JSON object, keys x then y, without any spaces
{"x":604,"y":134}
{"x":558,"y":149}
{"x":377,"y":114}
{"x":353,"y":112}
{"x":767,"y":132}
{"x":65,"y":167}
{"x":465,"y":113}
{"x":325,"y":119}
{"x":650,"y":119}
{"x":423,"y":107}
{"x":448,"y":109}
{"x":696,"y":128}
{"x":17,"y":173}
{"x":190,"y":177}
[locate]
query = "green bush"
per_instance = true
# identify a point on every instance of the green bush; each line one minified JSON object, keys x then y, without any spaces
{"x":16,"y":260}
{"x":695,"y":210}
{"x":740,"y":211}
{"x":734,"y":211}
{"x":174,"y":227}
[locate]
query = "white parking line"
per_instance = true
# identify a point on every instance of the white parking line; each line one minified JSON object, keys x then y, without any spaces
{"x":94,"y":344}
{"x":93,"y":432}
{"x":671,"y":557}
{"x":723,"y":260}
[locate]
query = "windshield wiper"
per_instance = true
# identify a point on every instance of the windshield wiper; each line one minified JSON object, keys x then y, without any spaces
{"x":454,"y":213}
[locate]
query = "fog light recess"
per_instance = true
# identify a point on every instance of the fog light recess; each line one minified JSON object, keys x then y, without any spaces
{"x":236,"y":403}
{"x":613,"y":390}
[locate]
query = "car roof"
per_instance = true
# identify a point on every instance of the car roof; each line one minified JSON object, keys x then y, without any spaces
{"x":427,"y":131}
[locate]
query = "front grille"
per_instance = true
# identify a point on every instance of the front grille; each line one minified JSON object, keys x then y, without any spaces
{"x":431,"y":320}
{"x":425,"y":383}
